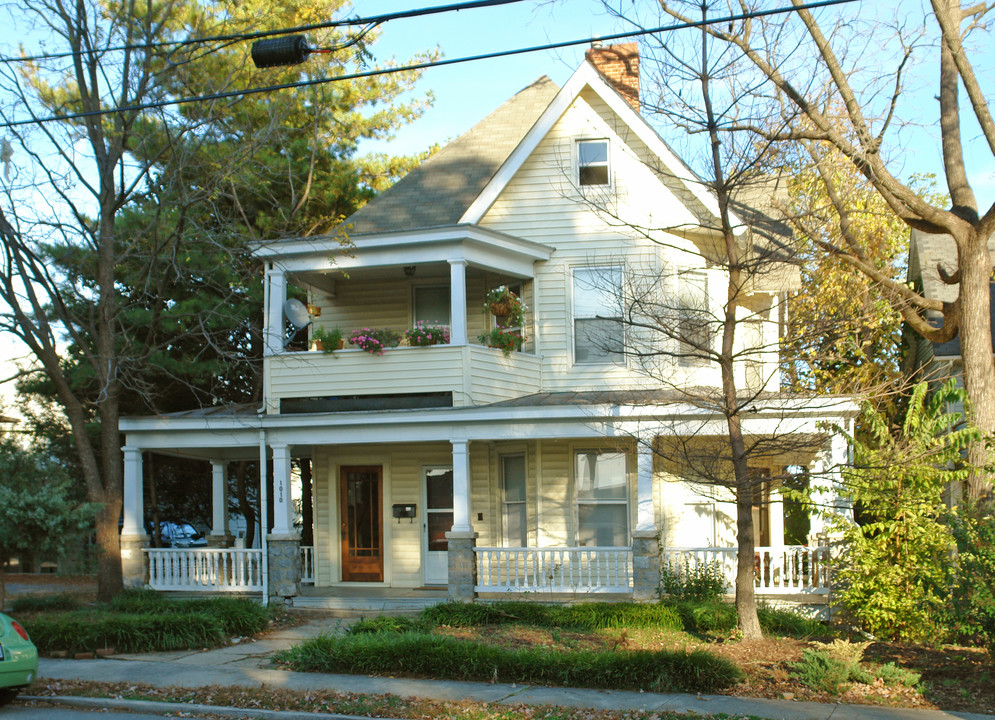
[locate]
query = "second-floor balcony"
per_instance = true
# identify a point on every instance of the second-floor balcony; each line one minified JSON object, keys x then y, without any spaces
{"x":390,"y":283}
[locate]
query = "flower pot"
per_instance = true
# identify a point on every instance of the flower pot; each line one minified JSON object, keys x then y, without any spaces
{"x":500,"y":309}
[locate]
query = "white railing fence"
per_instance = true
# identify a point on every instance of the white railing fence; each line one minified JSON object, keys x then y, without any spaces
{"x":783,"y":570}
{"x":307,"y":564}
{"x":554,"y":569}
{"x":206,"y":569}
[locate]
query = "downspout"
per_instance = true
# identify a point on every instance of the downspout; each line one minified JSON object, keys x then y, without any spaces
{"x":264,"y":513}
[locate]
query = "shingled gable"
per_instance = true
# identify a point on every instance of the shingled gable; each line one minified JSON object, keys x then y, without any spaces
{"x":439,"y":191}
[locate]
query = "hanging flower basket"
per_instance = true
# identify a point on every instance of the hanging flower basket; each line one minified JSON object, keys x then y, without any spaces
{"x":506,"y":305}
{"x":500,"y":309}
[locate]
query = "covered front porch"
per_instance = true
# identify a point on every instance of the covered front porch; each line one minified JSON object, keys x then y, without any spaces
{"x":531,"y":500}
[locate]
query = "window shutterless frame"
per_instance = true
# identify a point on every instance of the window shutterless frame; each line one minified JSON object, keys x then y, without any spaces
{"x":601,"y":488}
{"x":593,"y":168}
{"x":598,"y":333}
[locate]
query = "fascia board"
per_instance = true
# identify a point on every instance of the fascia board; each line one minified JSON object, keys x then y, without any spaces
{"x":586,"y":75}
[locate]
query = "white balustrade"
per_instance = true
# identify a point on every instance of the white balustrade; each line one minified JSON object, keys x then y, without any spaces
{"x":554,"y":569}
{"x":307,"y":564}
{"x":784,"y":570}
{"x":206,"y":569}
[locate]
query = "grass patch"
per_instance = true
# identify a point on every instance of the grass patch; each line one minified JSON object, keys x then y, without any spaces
{"x":145,"y":621}
{"x":427,"y":655}
{"x":584,"y":616}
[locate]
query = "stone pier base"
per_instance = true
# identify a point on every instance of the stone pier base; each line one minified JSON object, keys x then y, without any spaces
{"x":134,"y":563}
{"x":284,"y":567}
{"x":462,"y":565}
{"x":645,"y":566}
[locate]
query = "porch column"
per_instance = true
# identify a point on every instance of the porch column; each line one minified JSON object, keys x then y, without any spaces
{"x":220,"y":537}
{"x":645,"y":543}
{"x":283,"y":523}
{"x":457,"y":302}
{"x":276,"y":286}
{"x":133,"y":538}
{"x":284,"y":543}
{"x":462,"y":539}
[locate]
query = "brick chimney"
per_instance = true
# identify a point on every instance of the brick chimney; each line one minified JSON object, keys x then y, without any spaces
{"x":619,"y":65}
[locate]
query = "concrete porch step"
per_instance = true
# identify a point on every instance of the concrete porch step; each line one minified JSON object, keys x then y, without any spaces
{"x":356,"y":601}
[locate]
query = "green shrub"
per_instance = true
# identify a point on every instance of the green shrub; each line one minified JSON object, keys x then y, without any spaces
{"x":893,"y":675}
{"x":707,"y":616}
{"x":599,"y":616}
{"x":790,"y":623}
{"x":45,"y":603}
{"x":421,"y":654}
{"x":140,"y":601}
{"x":385,"y":624}
{"x":822,"y":672}
{"x":87,"y":632}
{"x":458,"y":614}
{"x":700,"y":581}
{"x":239,"y":617}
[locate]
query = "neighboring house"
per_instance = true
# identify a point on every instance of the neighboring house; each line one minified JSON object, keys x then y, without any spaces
{"x":936,"y":361}
{"x":459,"y":466}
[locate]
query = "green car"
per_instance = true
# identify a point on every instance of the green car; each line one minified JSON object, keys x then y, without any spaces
{"x":18,"y":659}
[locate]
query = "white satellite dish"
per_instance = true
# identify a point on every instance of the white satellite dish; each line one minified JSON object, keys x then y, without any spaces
{"x":296,"y":313}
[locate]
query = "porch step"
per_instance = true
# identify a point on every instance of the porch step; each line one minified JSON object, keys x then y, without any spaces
{"x":381,"y":604}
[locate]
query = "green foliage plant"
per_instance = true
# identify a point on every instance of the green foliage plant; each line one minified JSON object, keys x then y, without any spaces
{"x":693,"y":581}
{"x":385,"y":624}
{"x":895,"y":567}
{"x":443,"y":657}
{"x":972,"y":593}
{"x":503,"y":339}
{"x":330,"y":339}
{"x":374,"y":340}
{"x":45,"y":603}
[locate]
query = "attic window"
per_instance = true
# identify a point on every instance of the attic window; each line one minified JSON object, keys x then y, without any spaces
{"x":592,"y":162}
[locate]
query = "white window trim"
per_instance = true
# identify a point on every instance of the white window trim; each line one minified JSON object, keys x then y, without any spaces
{"x":621,"y":361}
{"x":608,"y":163}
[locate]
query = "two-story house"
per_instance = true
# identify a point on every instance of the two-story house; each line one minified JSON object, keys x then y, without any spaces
{"x":485,"y":469}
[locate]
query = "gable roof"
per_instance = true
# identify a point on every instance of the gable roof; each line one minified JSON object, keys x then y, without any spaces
{"x":439,"y":191}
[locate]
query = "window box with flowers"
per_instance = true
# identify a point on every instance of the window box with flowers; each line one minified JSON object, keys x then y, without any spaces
{"x":374,"y":340}
{"x":504,"y":339}
{"x":505,"y":306}
{"x":423,"y":334}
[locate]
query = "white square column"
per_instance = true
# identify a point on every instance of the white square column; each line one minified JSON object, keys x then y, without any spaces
{"x":645,"y":510}
{"x":134,"y":520}
{"x":461,"y":487}
{"x":283,"y":522}
{"x":457,"y":302}
{"x":219,"y":503}
{"x":276,"y":296}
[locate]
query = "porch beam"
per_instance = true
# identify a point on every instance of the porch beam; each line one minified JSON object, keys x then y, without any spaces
{"x":457,"y":302}
{"x":461,"y":487}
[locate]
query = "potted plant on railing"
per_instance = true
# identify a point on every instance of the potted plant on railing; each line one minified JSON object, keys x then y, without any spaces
{"x":506,"y":306}
{"x":504,"y":339}
{"x":328,"y":341}
{"x":423,"y":334}
{"x":374,"y":340}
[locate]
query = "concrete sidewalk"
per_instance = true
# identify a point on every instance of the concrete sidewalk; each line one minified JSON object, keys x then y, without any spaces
{"x":246,"y":664}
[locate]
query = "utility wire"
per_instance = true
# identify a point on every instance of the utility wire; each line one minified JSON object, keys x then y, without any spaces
{"x":422,"y":66}
{"x":371,"y":21}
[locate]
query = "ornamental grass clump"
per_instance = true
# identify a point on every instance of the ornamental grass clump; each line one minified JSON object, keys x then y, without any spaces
{"x":374,"y":340}
{"x":423,"y":334}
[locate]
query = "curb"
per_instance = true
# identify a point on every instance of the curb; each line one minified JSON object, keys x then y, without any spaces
{"x":152,"y":706}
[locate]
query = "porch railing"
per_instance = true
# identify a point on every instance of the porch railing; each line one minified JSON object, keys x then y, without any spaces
{"x":783,"y":570}
{"x":206,"y":569}
{"x":307,"y":564}
{"x":554,"y":569}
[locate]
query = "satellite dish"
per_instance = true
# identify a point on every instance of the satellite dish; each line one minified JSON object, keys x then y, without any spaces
{"x":296,"y":313}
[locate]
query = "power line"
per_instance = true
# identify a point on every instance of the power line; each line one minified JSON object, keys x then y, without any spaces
{"x":370,"y":21}
{"x":422,"y":66}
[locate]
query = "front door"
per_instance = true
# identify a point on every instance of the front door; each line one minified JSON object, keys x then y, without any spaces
{"x":361,"y":501}
{"x":438,"y":521}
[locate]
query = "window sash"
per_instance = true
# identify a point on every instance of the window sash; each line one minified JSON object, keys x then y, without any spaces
{"x":694,"y":323}
{"x":514,"y":509}
{"x":602,"y":492}
{"x":592,"y":163}
{"x":598,"y":330}
{"x":431,"y":304}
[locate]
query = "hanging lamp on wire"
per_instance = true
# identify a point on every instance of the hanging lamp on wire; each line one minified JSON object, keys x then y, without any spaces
{"x":286,"y":50}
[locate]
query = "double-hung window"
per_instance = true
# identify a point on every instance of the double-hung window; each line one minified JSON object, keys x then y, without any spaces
{"x":602,"y":498}
{"x":694,"y":322}
{"x":592,"y":163}
{"x":597,"y":302}
{"x":431,"y":304}
{"x":514,"y":516}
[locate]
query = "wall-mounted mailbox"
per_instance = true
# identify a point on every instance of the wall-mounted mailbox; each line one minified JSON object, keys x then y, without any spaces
{"x":404,"y":511}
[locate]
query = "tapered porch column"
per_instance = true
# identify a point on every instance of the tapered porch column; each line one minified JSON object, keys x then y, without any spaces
{"x":133,"y":538}
{"x":284,"y":542}
{"x":457,"y":302}
{"x":462,"y":539}
{"x":645,"y":543}
{"x":276,"y":286}
{"x":219,"y":537}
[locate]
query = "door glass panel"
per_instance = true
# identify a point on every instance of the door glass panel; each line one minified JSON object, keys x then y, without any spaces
{"x":440,"y":489}
{"x":439,"y":513}
{"x":439,"y":523}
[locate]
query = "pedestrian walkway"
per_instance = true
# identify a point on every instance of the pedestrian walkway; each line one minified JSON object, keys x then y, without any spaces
{"x":246,"y":664}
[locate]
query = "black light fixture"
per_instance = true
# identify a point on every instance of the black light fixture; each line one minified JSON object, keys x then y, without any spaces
{"x":274,"y":52}
{"x":409,"y":270}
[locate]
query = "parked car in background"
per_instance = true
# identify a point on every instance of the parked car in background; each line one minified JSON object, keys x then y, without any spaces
{"x":18,"y":659}
{"x":179,"y":534}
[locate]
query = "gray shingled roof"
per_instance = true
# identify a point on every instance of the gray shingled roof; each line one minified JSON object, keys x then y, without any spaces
{"x":439,"y":191}
{"x":925,"y":252}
